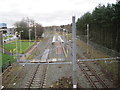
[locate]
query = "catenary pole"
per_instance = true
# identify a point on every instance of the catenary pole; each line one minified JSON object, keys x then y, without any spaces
{"x":87,"y":38}
{"x":16,"y":33}
{"x":29,"y":36}
{"x":74,"y":52}
{"x":20,"y":42}
{"x":35,"y":33}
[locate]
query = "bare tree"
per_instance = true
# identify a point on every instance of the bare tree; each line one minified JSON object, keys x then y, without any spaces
{"x":25,"y":24}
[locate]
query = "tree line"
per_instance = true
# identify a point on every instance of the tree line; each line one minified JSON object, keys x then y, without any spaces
{"x":27,"y":24}
{"x":104,"y":22}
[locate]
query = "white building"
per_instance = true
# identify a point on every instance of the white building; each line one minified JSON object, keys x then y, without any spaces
{"x":10,"y":31}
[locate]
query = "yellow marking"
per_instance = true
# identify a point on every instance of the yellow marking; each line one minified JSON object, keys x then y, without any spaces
{"x":14,"y":49}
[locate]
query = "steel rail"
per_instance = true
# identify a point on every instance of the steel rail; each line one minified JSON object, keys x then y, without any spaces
{"x":29,"y":85}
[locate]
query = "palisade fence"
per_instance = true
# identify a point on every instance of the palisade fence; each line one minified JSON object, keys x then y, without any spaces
{"x":106,"y":50}
{"x":6,"y":59}
{"x":8,"y":62}
{"x":6,"y":65}
{"x":107,"y":66}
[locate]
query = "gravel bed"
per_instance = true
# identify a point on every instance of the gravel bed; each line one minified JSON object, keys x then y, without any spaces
{"x":96,"y":67}
{"x":28,"y":70}
{"x":56,"y":72}
{"x":82,"y":81}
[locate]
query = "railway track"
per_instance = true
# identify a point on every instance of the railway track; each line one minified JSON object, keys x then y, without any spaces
{"x":91,"y":75}
{"x":37,"y":79}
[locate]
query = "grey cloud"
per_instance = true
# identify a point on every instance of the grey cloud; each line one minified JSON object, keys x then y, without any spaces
{"x":62,"y":16}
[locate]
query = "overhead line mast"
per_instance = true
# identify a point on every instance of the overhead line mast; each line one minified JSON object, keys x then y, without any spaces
{"x":74,"y":52}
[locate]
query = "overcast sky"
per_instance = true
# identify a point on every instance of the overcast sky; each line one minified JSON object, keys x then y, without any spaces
{"x":46,"y":12}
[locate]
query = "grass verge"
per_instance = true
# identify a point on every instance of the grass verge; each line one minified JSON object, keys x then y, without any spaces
{"x":22,"y":46}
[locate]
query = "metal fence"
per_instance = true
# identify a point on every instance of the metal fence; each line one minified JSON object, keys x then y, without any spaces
{"x":100,"y":47}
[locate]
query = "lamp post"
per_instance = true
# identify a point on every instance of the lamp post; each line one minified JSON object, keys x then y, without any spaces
{"x":29,"y":36}
{"x":20,"y":41}
{"x":3,"y":42}
{"x":67,"y":40}
{"x":16,"y":45}
{"x":35,"y":34}
{"x":87,"y":38}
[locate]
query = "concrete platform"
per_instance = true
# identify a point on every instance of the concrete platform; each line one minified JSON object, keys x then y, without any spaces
{"x":45,"y":56}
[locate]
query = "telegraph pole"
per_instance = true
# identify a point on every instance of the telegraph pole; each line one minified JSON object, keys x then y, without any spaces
{"x":87,"y":38}
{"x":74,"y":52}
{"x":35,"y":33}
{"x":3,"y":44}
{"x":20,"y":42}
{"x":29,"y":36}
{"x":16,"y":33}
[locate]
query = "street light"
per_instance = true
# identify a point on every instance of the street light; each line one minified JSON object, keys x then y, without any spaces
{"x":35,"y":33}
{"x":87,"y":38}
{"x":16,"y":45}
{"x":29,"y":36}
{"x":3,"y":42}
{"x":67,"y":39}
{"x":20,"y":41}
